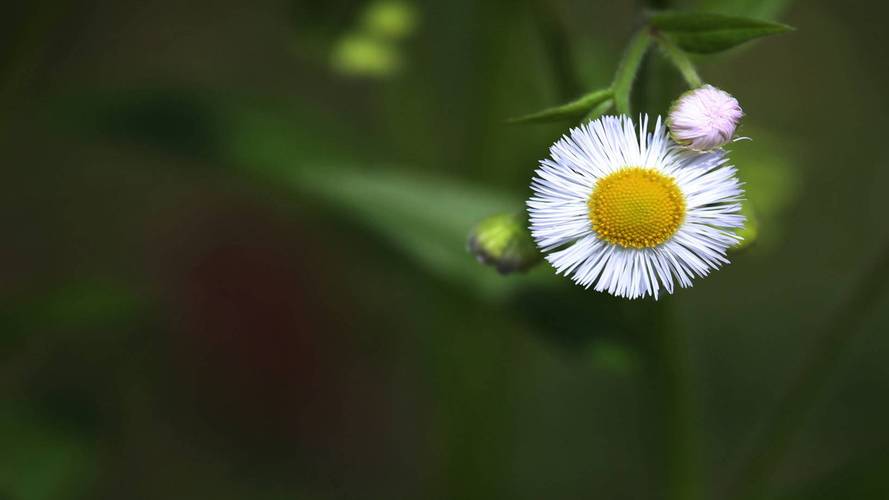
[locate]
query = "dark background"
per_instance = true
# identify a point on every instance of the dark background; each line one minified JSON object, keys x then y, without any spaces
{"x":234,"y":258}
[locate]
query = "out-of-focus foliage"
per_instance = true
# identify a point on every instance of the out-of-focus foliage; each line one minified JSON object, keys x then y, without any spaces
{"x":427,"y":216}
{"x":862,"y":478}
{"x":750,"y":232}
{"x":393,"y":19}
{"x":362,"y":55}
{"x":40,"y":461}
{"x":372,"y":48}
{"x":771,"y":184}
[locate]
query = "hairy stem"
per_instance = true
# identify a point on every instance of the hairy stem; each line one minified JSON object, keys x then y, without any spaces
{"x":681,"y":61}
{"x":628,"y":69}
{"x":777,"y":433}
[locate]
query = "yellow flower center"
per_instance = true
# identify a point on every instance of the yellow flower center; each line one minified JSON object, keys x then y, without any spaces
{"x":636,"y":207}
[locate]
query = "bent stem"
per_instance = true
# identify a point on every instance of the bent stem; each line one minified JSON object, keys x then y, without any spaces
{"x":777,"y":433}
{"x":680,"y":60}
{"x":628,"y":69}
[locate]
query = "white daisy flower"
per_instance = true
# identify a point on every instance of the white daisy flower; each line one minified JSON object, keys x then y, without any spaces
{"x":627,"y":213}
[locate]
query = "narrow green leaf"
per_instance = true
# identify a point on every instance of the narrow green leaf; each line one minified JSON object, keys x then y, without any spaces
{"x":571,"y":110}
{"x":681,"y":61}
{"x":626,"y":71}
{"x":705,"y":33}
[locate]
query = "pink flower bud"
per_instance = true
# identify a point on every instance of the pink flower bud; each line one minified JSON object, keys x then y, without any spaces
{"x":704,"y":118}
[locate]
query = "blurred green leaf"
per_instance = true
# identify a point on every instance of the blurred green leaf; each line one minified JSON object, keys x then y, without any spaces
{"x":427,"y":217}
{"x":627,"y":70}
{"x":706,"y":33}
{"x":572,"y":110}
{"x":74,"y":306}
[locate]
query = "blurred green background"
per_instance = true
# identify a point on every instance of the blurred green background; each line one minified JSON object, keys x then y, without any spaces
{"x":235,"y":258}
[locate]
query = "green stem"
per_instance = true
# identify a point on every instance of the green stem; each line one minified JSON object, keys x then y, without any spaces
{"x":777,"y":433}
{"x":599,"y":110}
{"x":681,"y":60}
{"x":683,"y":482}
{"x":627,"y":70}
{"x":667,"y":381}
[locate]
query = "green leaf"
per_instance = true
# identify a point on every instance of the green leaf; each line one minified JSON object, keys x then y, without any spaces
{"x":80,"y":305}
{"x":572,"y":110}
{"x":626,"y":71}
{"x":705,"y":33}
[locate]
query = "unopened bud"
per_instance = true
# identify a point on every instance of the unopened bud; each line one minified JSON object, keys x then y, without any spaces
{"x":504,"y":241}
{"x":704,"y":119}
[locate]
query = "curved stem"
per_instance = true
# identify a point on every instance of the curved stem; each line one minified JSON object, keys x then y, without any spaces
{"x":627,"y":70}
{"x":777,"y":434}
{"x":680,"y":60}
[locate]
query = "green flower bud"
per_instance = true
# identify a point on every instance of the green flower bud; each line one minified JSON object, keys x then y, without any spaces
{"x":503,"y":241}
